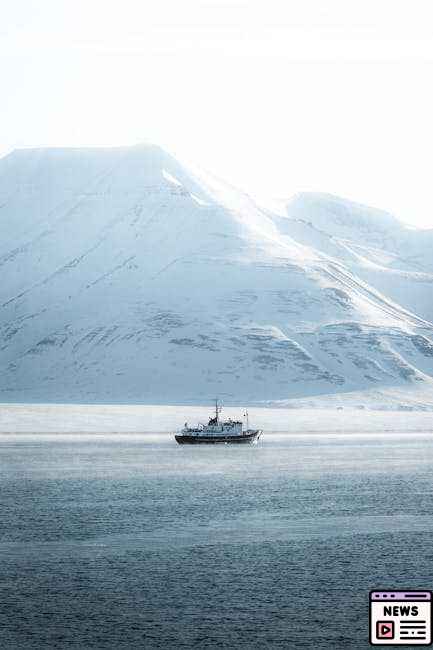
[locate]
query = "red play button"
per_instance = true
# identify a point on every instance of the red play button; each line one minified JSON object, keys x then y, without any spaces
{"x":385,"y":629}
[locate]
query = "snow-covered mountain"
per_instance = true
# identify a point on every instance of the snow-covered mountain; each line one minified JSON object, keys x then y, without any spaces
{"x":126,"y":276}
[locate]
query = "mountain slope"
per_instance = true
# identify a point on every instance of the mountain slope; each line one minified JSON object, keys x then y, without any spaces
{"x":128,"y":276}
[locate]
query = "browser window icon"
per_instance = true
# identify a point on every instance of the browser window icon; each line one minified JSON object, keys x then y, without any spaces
{"x":400,"y":617}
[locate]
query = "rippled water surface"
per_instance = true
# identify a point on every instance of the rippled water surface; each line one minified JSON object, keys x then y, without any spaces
{"x":131,"y":541}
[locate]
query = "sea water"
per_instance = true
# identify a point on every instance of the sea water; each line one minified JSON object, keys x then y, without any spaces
{"x":131,"y":541}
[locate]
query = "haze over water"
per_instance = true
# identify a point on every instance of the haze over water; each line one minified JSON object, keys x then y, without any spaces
{"x":128,"y":541}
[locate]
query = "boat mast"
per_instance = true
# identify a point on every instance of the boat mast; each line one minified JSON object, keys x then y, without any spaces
{"x":216,"y":409}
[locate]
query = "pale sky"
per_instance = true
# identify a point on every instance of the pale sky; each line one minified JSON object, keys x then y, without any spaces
{"x":275,"y":96}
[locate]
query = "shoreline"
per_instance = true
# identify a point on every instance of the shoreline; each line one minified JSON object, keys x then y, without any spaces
{"x":102,"y":419}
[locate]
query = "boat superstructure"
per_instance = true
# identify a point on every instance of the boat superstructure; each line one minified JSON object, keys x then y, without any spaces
{"x":218,"y":430}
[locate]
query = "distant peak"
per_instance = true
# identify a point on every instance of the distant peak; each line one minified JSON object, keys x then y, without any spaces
{"x":147,"y":144}
{"x":337,"y":215}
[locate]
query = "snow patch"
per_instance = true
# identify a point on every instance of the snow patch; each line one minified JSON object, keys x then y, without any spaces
{"x":171,"y":179}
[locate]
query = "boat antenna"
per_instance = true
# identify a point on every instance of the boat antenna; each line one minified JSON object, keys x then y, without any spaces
{"x":217,"y":408}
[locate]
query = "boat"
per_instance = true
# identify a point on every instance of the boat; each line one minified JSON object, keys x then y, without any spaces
{"x":219,"y":431}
